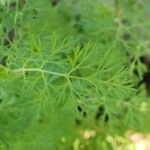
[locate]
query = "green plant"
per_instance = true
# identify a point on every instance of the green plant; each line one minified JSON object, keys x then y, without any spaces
{"x":65,"y":77}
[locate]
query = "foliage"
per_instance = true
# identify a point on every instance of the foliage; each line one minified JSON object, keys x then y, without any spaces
{"x":67,"y":73}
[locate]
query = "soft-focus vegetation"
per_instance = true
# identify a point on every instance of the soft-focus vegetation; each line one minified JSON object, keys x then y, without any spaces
{"x":74,"y":74}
